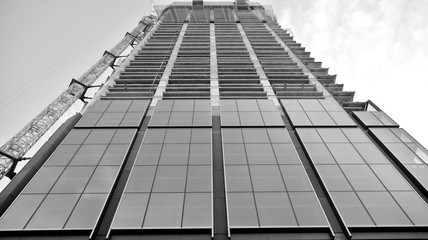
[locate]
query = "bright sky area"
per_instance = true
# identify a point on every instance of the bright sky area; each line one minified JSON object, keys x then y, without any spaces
{"x":378,"y":48}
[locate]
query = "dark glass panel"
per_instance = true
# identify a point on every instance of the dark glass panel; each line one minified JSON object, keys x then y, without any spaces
{"x":123,"y":136}
{"x":342,"y":118}
{"x":368,"y":119}
{"x":164,"y":210}
{"x":53,"y":212}
{"x":102,"y":180}
{"x":278,"y":135}
{"x":251,"y":119}
{"x":183,"y":105}
{"x":370,"y":153}
{"x":170,"y":179}
{"x":345,"y":153}
{"x":76,"y":136}
{"x":332,"y":135}
{"x":228,"y":106}
{"x":234,"y":154}
{"x":299,"y":119}
{"x":295,"y":178}
{"x":383,"y":209}
{"x":286,"y":154}
{"x":154,"y":136}
{"x":164,"y":105}
{"x":330,"y":105}
{"x":131,"y":119}
{"x":200,"y":154}
{"x":232,"y":136}
{"x":149,"y":154}
{"x":174,"y":154}
{"x":20,"y":211}
{"x":252,"y":135}
{"x":160,"y":119}
{"x":131,"y":211}
{"x":266,"y":178}
{"x":247,"y":105}
{"x":203,"y":105}
{"x":197,"y":210}
{"x":230,"y":119}
{"x":86,"y":212}
{"x":141,"y":179}
{"x":351,"y":209}
{"x":201,"y":135}
{"x":62,"y":155}
{"x":202,"y":119}
{"x":307,"y":208}
{"x":114,"y":155}
{"x":111,"y":119}
{"x":413,"y":205}
{"x":181,"y":119}
{"x":266,"y":105}
{"x":100,"y":136}
{"x":274,"y":209}
{"x":291,"y":105}
{"x":44,"y":180}
{"x":260,"y":154}
{"x":89,"y":119}
{"x":177,"y":136}
{"x":139,"y":106}
{"x":88,"y":155}
{"x":311,"y":105}
{"x":390,"y":177}
{"x":362,"y":178}
{"x":333,"y":178}
{"x":73,"y":180}
{"x":242,"y":210}
{"x":100,"y":106}
{"x":384,"y":135}
{"x":309,"y":135}
{"x":272,"y":119}
{"x":320,"y":119}
{"x":355,"y":135}
{"x":119,"y":105}
{"x":403,"y":153}
{"x":198,"y":179}
{"x":238,"y":179}
{"x":319,"y":153}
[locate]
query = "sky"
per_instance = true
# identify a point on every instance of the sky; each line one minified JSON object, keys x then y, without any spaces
{"x":378,"y":48}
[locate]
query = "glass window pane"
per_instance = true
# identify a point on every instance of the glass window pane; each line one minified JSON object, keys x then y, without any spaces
{"x":390,"y":177}
{"x":320,"y":119}
{"x":200,"y":154}
{"x":73,"y":180}
{"x":384,"y":135}
{"x":234,"y":154}
{"x":272,"y":119}
{"x":332,"y":135}
{"x":238,"y":179}
{"x":309,"y":135}
{"x":119,"y":105}
{"x":402,"y":135}
{"x":266,"y":105}
{"x":114,"y":155}
{"x":197,"y":210}
{"x":291,"y":105}
{"x":274,"y":209}
{"x":99,"y":136}
{"x":86,"y":212}
{"x":89,"y":119}
{"x":286,"y":154}
{"x":362,"y":178}
{"x":20,"y":211}
{"x":149,"y":154}
{"x":370,"y":153}
{"x":177,"y":136}
{"x":159,"y":119}
{"x":228,"y":106}
{"x":164,"y":210}
{"x":183,"y":105}
{"x":199,"y":179}
{"x":368,"y":119}
{"x":319,"y":154}
{"x":202,"y":119}
{"x":76,"y":136}
{"x":355,"y":135}
{"x":164,"y":105}
{"x":203,"y":105}
{"x":384,"y":118}
{"x":100,"y":106}
{"x":307,"y":208}
{"x":420,"y":172}
{"x":333,"y":178}
{"x":351,"y":209}
{"x":131,"y":210}
{"x":383,"y":209}
{"x":330,"y":105}
{"x":154,"y":136}
{"x":342,"y":118}
{"x":242,"y":210}
{"x":181,"y":119}
{"x":201,"y":135}
{"x":403,"y":153}
{"x":88,"y":155}
{"x":311,"y":105}
{"x":345,"y":153}
{"x":252,"y":135}
{"x":232,"y":136}
{"x":247,"y":105}
{"x":420,"y":151}
{"x":279,"y":135}
{"x":131,"y":119}
{"x":123,"y":136}
{"x":139,"y":106}
{"x":62,"y":155}
{"x":53,"y":212}
{"x":102,"y":180}
{"x":230,"y":119}
{"x":170,"y":179}
{"x":141,"y":179}
{"x":44,"y":180}
{"x":299,"y":119}
{"x":111,"y":119}
{"x":413,"y":205}
{"x":174,"y":154}
{"x":295,"y":178}
{"x":266,"y":178}
{"x":260,"y":154}
{"x":251,"y":119}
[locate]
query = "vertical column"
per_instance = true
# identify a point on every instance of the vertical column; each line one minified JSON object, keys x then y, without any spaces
{"x":165,"y":76}
{"x":214,"y":84}
{"x":263,"y":78}
{"x":312,"y":78}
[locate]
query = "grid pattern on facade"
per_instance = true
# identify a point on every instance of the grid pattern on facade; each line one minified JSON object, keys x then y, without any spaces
{"x":406,"y":150}
{"x":70,"y":190}
{"x":249,"y":112}
{"x":365,"y":187}
{"x":266,"y":183}
{"x":316,"y":112}
{"x":374,"y":119}
{"x":114,"y":113}
{"x":170,"y":183}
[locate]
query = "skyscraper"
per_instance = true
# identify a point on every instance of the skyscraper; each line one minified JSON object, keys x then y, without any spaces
{"x":219,"y":125}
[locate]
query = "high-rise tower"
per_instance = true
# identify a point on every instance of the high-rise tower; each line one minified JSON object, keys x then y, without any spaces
{"x":219,"y":125}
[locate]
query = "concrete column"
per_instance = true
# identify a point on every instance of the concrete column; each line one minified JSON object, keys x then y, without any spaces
{"x":214,"y":84}
{"x":312,"y":78}
{"x":263,"y":78}
{"x":168,"y":68}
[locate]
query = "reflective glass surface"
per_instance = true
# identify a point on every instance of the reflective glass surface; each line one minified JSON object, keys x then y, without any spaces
{"x":175,"y":113}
